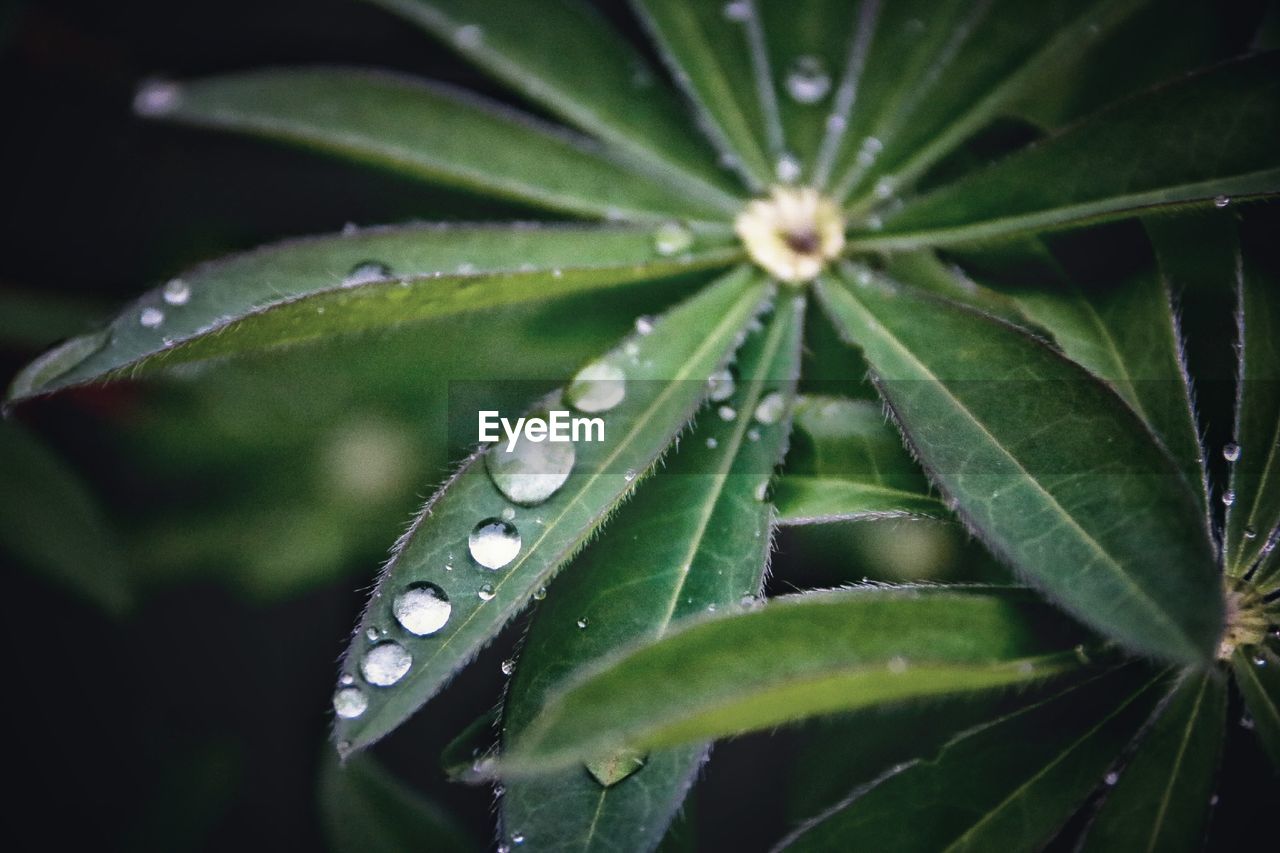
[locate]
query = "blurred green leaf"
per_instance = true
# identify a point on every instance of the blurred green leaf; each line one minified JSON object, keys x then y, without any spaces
{"x":1040,"y":459}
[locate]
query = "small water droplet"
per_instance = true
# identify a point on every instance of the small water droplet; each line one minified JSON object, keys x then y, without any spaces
{"x":644,"y":324}
{"x":347,"y":678}
{"x":468,"y":36}
{"x":771,"y":408}
{"x":151,"y":317}
{"x":721,"y":385}
{"x":1250,"y":533}
{"x":485,"y":593}
{"x":750,"y":602}
{"x":1231,"y":452}
{"x":672,"y":238}
{"x":897,"y":665}
{"x":836,"y":123}
{"x":598,"y":387}
{"x":517,"y":838}
{"x":372,"y":633}
{"x":350,"y":702}
{"x":808,"y":81}
{"x":629,"y":474}
{"x":540,"y":594}
{"x":176,"y":292}
{"x":494,"y":543}
{"x":350,"y":229}
{"x":787,"y":168}
{"x":365,"y":272}
{"x":156,"y":97}
{"x":1259,"y":660}
{"x":509,"y":514}
{"x":1221,"y":201}
{"x":582,"y":623}
{"x":712,"y":444}
{"x":726,"y":413}
{"x":385,"y":664}
{"x":738,"y":10}
{"x":1246,"y":722}
{"x":508,"y":666}
{"x":422,"y":609}
{"x":885,"y":186}
{"x":753,"y":434}
{"x":1111,"y":778}
{"x":1229,"y":497}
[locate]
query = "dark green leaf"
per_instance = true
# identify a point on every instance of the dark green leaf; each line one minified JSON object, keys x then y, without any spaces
{"x":1161,"y":801}
{"x":797,"y":657}
{"x":426,"y":131}
{"x":1008,"y":785}
{"x":1045,"y":463}
{"x":1202,"y":137}
{"x":1257,"y":670}
{"x":313,"y":288}
{"x":694,"y":538}
{"x":666,"y":372}
{"x":542,"y":49}
{"x":847,"y":464}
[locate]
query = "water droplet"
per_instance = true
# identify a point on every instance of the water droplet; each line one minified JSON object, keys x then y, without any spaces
{"x":350,"y":702}
{"x":771,"y":408}
{"x":753,"y":434}
{"x":176,"y":292}
{"x":151,"y":317}
{"x":1250,"y":533}
{"x":808,"y":81}
{"x":509,"y":514}
{"x":612,"y":770}
{"x":671,"y":238}
{"x":508,"y":666}
{"x":1246,"y":722}
{"x":629,"y":474}
{"x":372,"y":633}
{"x":836,"y":123}
{"x":485,"y":593}
{"x":644,"y":324}
{"x":1221,"y":201}
{"x":711,"y":608}
{"x":1231,"y":452}
{"x":750,"y":602}
{"x":598,"y":387}
{"x":468,"y":36}
{"x":712,"y":444}
{"x":385,"y":664}
{"x":1229,"y":497}
{"x":365,"y":272}
{"x":494,"y":542}
{"x":422,"y":609}
{"x":1111,"y":778}
{"x":540,"y":594}
{"x":347,"y":678}
{"x":738,"y":10}
{"x":726,"y":413}
{"x":517,"y":838}
{"x":897,"y":665}
{"x":156,"y":97}
{"x":874,"y":223}
{"x":885,"y":186}
{"x":721,"y":385}
{"x":582,"y":623}
{"x":788,"y":168}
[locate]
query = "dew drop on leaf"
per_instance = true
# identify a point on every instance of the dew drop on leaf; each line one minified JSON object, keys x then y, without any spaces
{"x":508,"y":666}
{"x":485,"y":593}
{"x":494,"y":542}
{"x":738,"y":10}
{"x":712,"y":444}
{"x":385,"y":664}
{"x":1229,"y":497}
{"x":721,"y":385}
{"x":1231,"y":452}
{"x":598,"y":387}
{"x":787,"y":168}
{"x":770,"y":408}
{"x":726,"y":413}
{"x":582,"y":623}
{"x":422,"y":609}
{"x":1250,"y":533}
{"x":151,"y":317}
{"x":531,"y":471}
{"x":350,"y":702}
{"x":808,"y":81}
{"x":1221,"y":201}
{"x":156,"y":97}
{"x":753,"y":434}
{"x":671,"y":238}
{"x":1111,"y":778}
{"x":365,"y":272}
{"x":644,"y":324}
{"x":629,"y":474}
{"x":176,"y":292}
{"x":540,"y":594}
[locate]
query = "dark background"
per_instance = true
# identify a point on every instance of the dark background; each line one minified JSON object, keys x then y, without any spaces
{"x":199,"y":720}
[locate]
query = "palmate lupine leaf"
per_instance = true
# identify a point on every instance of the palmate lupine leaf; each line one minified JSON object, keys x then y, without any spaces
{"x":1257,"y":671}
{"x":847,"y":463}
{"x":694,"y":538}
{"x":1193,"y":140}
{"x":1161,"y":801}
{"x":1007,"y":785}
{"x":317,"y":287}
{"x":543,"y":50}
{"x":795,"y":657}
{"x":427,"y":131}
{"x":1045,"y":463}
{"x":665,"y":378}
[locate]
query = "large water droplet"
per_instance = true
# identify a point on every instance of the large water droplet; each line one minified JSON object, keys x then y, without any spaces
{"x":721,"y":385}
{"x":151,"y":317}
{"x":176,"y":292}
{"x":385,"y":664}
{"x":808,"y":81}
{"x":350,"y":702}
{"x":422,"y":609}
{"x":1231,"y":452}
{"x":598,"y":387}
{"x":531,"y":471}
{"x":771,"y":408}
{"x":494,"y":542}
{"x":613,"y":769}
{"x":671,"y":238}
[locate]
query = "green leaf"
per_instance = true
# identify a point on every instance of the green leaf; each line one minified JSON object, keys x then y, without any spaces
{"x":1161,"y":801}
{"x":51,"y":523}
{"x":666,"y":372}
{"x":1045,"y":464}
{"x":796,"y":657}
{"x":1253,"y":518}
{"x":695,"y":538}
{"x":1008,"y":785}
{"x":426,"y":131}
{"x":1201,"y":137}
{"x":1257,"y":670}
{"x":364,"y":809}
{"x":541,"y":50}
{"x":307,"y":289}
{"x":717,"y":56}
{"x":848,"y":464}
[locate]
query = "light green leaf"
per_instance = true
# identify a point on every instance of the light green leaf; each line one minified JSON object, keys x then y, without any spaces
{"x":1257,"y":670}
{"x":51,"y":523}
{"x":695,"y":538}
{"x":1201,"y":137}
{"x":364,"y":809}
{"x":1045,"y":464}
{"x":541,"y":50}
{"x":318,"y":287}
{"x":847,"y":463}
{"x":716,"y":53}
{"x":796,"y":657}
{"x":665,"y":379}
{"x":1007,"y":785}
{"x":1161,"y":801}
{"x":426,"y":131}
